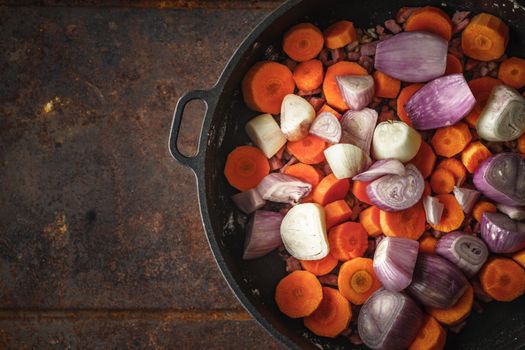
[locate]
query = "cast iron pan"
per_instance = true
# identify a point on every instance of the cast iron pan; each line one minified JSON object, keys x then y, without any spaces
{"x":500,"y":326}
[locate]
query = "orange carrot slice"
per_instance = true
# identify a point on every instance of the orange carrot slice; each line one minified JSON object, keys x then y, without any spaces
{"x":298,"y":294}
{"x":331,"y":317}
{"x":320,"y":267}
{"x":403,"y":98}
{"x":456,"y":168}
{"x":453,"y":65}
{"x":408,"y":223}
{"x":502,"y":279}
{"x":305,"y":172}
{"x":451,"y":140}
{"x":336,"y":212}
{"x":347,"y":241}
{"x":331,"y":90}
{"x":430,"y":19}
{"x":481,"y":88}
{"x":431,"y":336}
{"x":442,"y":181}
{"x":458,"y":312}
{"x":339,"y":34}
{"x":303,"y":42}
{"x":512,"y":72}
{"x":330,"y":189}
{"x":485,"y":38}
{"x":452,"y":216}
{"x":481,"y":207}
{"x":473,"y":155}
{"x":357,"y":280}
{"x":308,"y":75}
{"x":370,"y":220}
{"x":427,"y":244}
{"x":386,"y":86}
{"x":359,"y":191}
{"x":308,"y":150}
{"x":245,"y":167}
{"x":425,"y":159}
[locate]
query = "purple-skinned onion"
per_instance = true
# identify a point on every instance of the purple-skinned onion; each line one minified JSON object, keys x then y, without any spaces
{"x":248,"y":201}
{"x":437,"y":282}
{"x":357,"y":90}
{"x":515,"y":213}
{"x":414,"y":57}
{"x":397,"y":192}
{"x":380,"y":168}
{"x":327,"y":127}
{"x":358,"y":128}
{"x":467,"y":252}
{"x":282,"y":188}
{"x":501,"y":233}
{"x":466,"y":198}
{"x":442,"y":102}
{"x":389,"y":321}
{"x":433,"y":209}
{"x":394,"y":261}
{"x":502,"y":178}
{"x":263,"y":235}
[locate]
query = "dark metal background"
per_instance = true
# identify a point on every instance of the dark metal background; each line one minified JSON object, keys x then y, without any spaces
{"x":101,"y":243}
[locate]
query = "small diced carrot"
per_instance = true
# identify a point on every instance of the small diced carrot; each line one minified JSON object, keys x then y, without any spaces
{"x":473,"y":155}
{"x":370,"y":220}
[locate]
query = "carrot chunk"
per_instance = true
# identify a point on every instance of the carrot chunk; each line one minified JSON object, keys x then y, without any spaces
{"x":308,"y":75}
{"x":425,"y":159}
{"x":303,"y":42}
{"x":298,"y":294}
{"x":347,"y":241}
{"x":245,"y":167}
{"x":308,"y":150}
{"x":473,"y":155}
{"x":458,"y":312}
{"x":430,"y":19}
{"x":442,"y":181}
{"x":359,"y":191}
{"x":502,"y":278}
{"x":336,"y":212}
{"x":481,"y":207}
{"x":512,"y":72}
{"x":485,"y":37}
{"x":452,"y":216}
{"x":305,"y":172}
{"x":370,"y":219}
{"x":451,"y":140}
{"x":386,"y":86}
{"x":403,"y":98}
{"x":519,"y":257}
{"x":357,"y":280}
{"x":330,"y":189}
{"x":431,"y":336}
{"x":453,"y":65}
{"x":456,"y":168}
{"x":265,"y":85}
{"x":427,"y":244}
{"x":331,"y":90}
{"x":320,"y":267}
{"x":327,"y":108}
{"x":339,"y":34}
{"x":331,"y":317}
{"x":409,"y":223}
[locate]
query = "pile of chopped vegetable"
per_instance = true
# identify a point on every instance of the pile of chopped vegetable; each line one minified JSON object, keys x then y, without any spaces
{"x":397,"y":154}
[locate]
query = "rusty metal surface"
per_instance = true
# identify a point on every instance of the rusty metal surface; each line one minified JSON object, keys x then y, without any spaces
{"x":101,"y":243}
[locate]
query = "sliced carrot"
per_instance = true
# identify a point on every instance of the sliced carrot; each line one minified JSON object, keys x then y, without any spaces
{"x":451,"y":140}
{"x":347,"y":241}
{"x":482,"y":207}
{"x":519,"y":257}
{"x":427,"y":244}
{"x":309,"y":150}
{"x":370,"y":220}
{"x":481,"y":88}
{"x":442,"y":181}
{"x":320,"y":267}
{"x":458,"y":312}
{"x":431,"y":335}
{"x":452,"y":216}
{"x":485,"y":38}
{"x":245,"y":167}
{"x":453,"y":65}
{"x":331,"y":317}
{"x":331,"y":90}
{"x":303,"y":42}
{"x":512,"y":72}
{"x":430,"y":19}
{"x":339,"y":34}
{"x":502,"y":278}
{"x":386,"y":86}
{"x":298,"y":294}
{"x":403,"y":98}
{"x":456,"y":168}
{"x":427,"y":191}
{"x":308,"y":75}
{"x":359,"y":191}
{"x":425,"y":159}
{"x":357,"y":280}
{"x":265,"y":85}
{"x":521,"y":143}
{"x":336,"y":212}
{"x":305,"y":172}
{"x":409,"y":223}
{"x":473,"y":155}
{"x":330,"y":189}
{"x":327,"y":108}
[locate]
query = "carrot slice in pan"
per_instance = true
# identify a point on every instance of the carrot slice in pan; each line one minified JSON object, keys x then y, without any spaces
{"x":409,"y":223}
{"x":386,"y":86}
{"x":453,"y":65}
{"x":451,"y":140}
{"x":359,"y":191}
{"x":430,"y":19}
{"x":308,"y":75}
{"x":305,"y":172}
{"x":425,"y":159}
{"x":427,"y":244}
{"x":370,"y":219}
{"x":357,"y":280}
{"x":512,"y":72}
{"x":336,"y":212}
{"x":331,"y":90}
{"x":473,"y":155}
{"x":452,"y":216}
{"x":320,"y":267}
{"x":456,"y":168}
{"x":485,"y":38}
{"x":339,"y":34}
{"x":298,"y":294}
{"x":482,"y":207}
{"x":403,"y":98}
{"x":309,"y":150}
{"x":431,"y":336}
{"x":347,"y":241}
{"x":502,"y":278}
{"x":332,"y":316}
{"x":442,"y":181}
{"x":303,"y":42}
{"x":245,"y":167}
{"x":458,"y":312}
{"x":330,"y":189}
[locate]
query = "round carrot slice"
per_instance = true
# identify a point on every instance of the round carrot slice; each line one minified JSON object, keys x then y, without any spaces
{"x":303,"y":42}
{"x":331,"y":317}
{"x":245,"y":167}
{"x":357,"y":280}
{"x":298,"y":294}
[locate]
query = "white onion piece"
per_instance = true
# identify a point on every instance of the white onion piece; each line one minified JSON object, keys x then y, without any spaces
{"x":466,"y":198}
{"x":397,"y":192}
{"x":248,"y":201}
{"x":327,"y":127}
{"x":515,"y":213}
{"x":467,"y":252}
{"x":282,"y":188}
{"x":358,"y":128}
{"x":396,"y":140}
{"x":263,"y":234}
{"x":503,"y":118}
{"x":297,"y":115}
{"x":303,"y":231}
{"x":346,"y":160}
{"x":394,"y":261}
{"x":357,"y":90}
{"x":433,"y":209}
{"x":265,"y":133}
{"x":380,"y":168}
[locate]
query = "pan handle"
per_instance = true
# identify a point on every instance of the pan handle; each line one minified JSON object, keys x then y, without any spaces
{"x":207,"y":96}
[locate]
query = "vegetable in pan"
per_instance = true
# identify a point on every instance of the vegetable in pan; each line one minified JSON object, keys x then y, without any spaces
{"x":389,"y":166}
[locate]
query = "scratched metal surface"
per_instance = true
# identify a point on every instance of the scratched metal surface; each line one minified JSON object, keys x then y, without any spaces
{"x":101,"y":243}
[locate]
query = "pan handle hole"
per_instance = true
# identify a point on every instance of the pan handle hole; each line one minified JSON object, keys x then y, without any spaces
{"x":191,"y":126}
